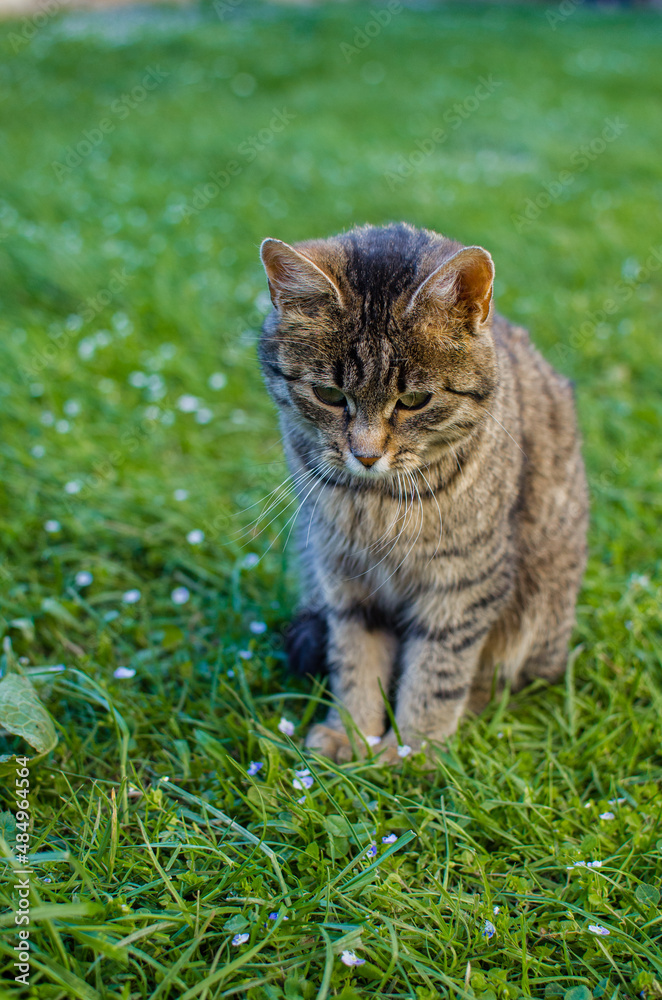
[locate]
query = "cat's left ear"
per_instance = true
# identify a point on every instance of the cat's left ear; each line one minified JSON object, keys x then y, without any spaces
{"x":466,"y":279}
{"x":293,"y":277}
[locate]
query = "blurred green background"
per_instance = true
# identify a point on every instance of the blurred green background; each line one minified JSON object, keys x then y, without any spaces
{"x":144,"y":155}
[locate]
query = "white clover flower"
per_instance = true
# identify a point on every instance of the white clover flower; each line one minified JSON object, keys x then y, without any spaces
{"x":123,"y":673}
{"x":52,"y":526}
{"x":404,"y":751}
{"x":350,"y":959}
{"x":180,"y":595}
{"x":73,"y":486}
{"x":217,"y":381}
{"x":258,"y":628}
{"x":599,"y":929}
{"x":83,"y":578}
{"x":131,"y":596}
{"x":286,"y":727}
{"x":195,"y":537}
{"x":180,"y":495}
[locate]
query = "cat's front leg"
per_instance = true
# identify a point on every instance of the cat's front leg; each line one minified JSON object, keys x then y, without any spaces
{"x":435,"y":684}
{"x":360,"y":660}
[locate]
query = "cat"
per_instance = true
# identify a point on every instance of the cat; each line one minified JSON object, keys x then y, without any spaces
{"x":436,"y":456}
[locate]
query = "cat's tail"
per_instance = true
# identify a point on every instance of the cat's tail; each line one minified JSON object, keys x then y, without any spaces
{"x":306,"y":642}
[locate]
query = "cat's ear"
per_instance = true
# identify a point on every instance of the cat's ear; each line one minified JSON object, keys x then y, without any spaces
{"x":294,"y":278}
{"x":464,"y":280}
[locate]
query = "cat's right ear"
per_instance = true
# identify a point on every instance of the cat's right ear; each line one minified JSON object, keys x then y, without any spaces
{"x":293,"y":278}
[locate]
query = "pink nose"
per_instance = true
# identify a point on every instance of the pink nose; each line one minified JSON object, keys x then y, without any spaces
{"x":367,"y":460}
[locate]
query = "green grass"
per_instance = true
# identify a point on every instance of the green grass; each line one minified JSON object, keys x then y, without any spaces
{"x":141,"y":881}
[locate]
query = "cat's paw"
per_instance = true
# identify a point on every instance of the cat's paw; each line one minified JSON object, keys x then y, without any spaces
{"x":329,"y":742}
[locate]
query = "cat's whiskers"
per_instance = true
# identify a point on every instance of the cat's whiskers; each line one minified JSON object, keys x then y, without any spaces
{"x":506,"y":431}
{"x":296,"y":483}
{"x":415,"y":541}
{"x":441,"y":523}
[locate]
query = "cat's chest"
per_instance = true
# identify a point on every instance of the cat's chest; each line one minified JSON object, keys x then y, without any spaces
{"x":396,"y":544}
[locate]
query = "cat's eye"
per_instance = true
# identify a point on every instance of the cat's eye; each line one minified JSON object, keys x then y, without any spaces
{"x":414,"y":400}
{"x":330,"y":395}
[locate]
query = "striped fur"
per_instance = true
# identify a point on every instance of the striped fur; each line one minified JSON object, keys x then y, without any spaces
{"x":452,"y":564}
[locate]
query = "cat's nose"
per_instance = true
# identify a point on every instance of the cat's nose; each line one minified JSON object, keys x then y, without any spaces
{"x":367,"y":460}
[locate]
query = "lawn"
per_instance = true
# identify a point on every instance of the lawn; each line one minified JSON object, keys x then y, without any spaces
{"x":144,"y":156}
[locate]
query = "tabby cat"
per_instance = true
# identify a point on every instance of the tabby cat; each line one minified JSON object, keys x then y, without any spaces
{"x":436,"y":456}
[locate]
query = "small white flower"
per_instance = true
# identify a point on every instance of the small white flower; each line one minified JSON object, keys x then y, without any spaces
{"x":195,"y":537}
{"x":246,"y":654}
{"x":286,"y":727}
{"x":180,"y":495}
{"x":123,"y":673}
{"x":187,"y":403}
{"x":617,"y":802}
{"x":390,"y":839}
{"x":72,"y":407}
{"x":204,"y":415}
{"x":499,"y":736}
{"x":240,"y":939}
{"x":594,"y":864}
{"x":373,"y":741}
{"x":131,"y":597}
{"x":217,"y":381}
{"x":495,"y":910}
{"x":598,"y":929}
{"x":83,"y":578}
{"x":258,"y":628}
{"x":38,"y":451}
{"x":607,"y":815}
{"x":350,"y":959}
{"x":52,"y":527}
{"x":73,"y":486}
{"x":251,"y":560}
{"x":404,"y":751}
{"x":180,"y":595}
{"x":63,"y":426}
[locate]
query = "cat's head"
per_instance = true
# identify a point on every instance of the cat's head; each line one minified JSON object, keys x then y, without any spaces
{"x":379,"y":350}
